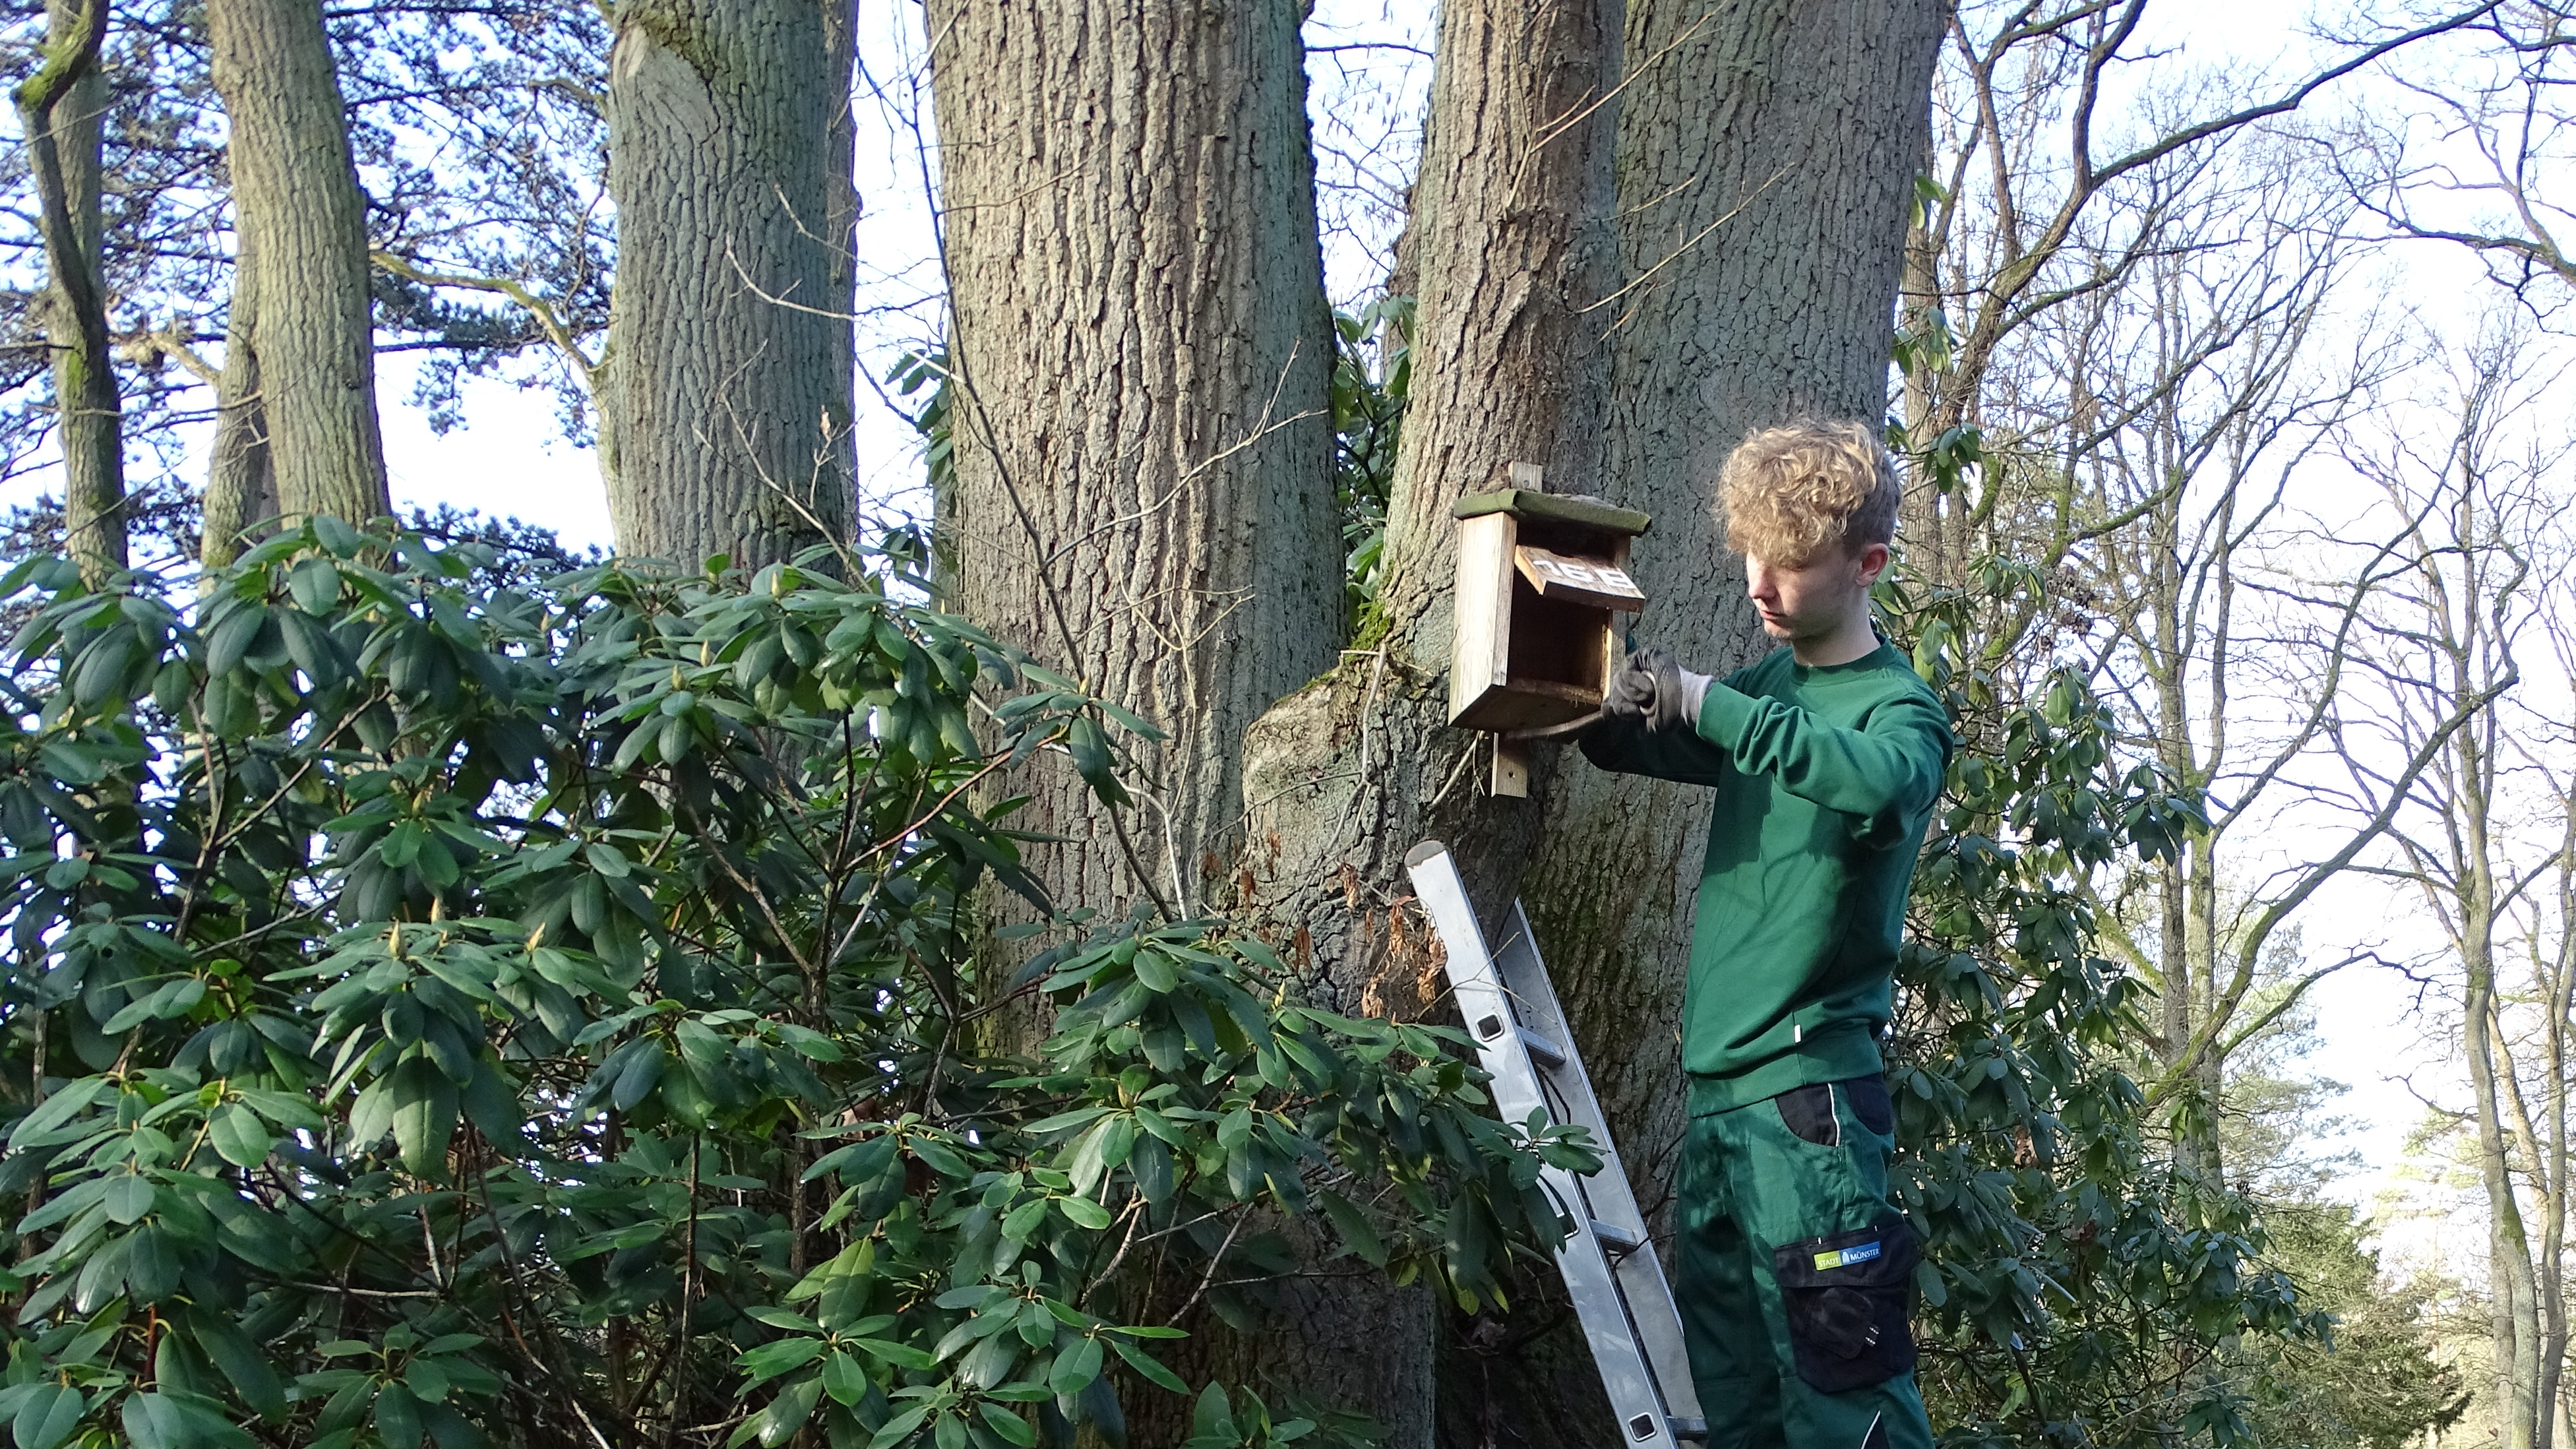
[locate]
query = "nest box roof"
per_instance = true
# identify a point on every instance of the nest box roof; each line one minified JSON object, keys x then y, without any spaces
{"x":1562,"y":508}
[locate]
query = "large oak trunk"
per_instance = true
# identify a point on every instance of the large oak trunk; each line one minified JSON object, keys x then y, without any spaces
{"x":299,"y":380}
{"x":1141,"y":352}
{"x":725,"y":401}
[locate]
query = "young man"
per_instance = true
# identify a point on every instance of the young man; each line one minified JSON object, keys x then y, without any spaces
{"x":1795,"y":1268}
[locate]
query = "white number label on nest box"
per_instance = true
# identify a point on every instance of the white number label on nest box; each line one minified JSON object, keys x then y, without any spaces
{"x":1578,"y":581}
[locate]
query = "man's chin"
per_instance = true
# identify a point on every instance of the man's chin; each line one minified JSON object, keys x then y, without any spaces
{"x":1777,"y":629}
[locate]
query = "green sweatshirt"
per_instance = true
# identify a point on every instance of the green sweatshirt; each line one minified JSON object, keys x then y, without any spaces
{"x":1825,"y":779}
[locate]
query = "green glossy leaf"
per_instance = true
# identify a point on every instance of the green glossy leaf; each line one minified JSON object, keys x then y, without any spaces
{"x":424,"y":1115}
{"x":129,"y":1197}
{"x":1075,"y":1368}
{"x":1007,"y":1424}
{"x":153,"y":1421}
{"x":843,"y":1379}
{"x":900,"y":1355}
{"x":398,"y":1417}
{"x":1144,"y":1363}
{"x":427,"y":1381}
{"x":788,"y":1412}
{"x":1083,"y":1212}
{"x":248,"y":1369}
{"x":899,"y":1428}
{"x":66,"y":1102}
{"x":238,"y":1134}
{"x":769,"y":1360}
{"x":48,"y":1416}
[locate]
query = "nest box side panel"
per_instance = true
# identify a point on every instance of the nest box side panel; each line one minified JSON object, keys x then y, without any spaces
{"x":1614,"y":642}
{"x":1481,"y":628}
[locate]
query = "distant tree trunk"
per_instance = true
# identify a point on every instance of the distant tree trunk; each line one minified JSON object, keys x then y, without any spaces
{"x":841,"y":213}
{"x":725,"y":401}
{"x":60,"y":109}
{"x":241,"y":486}
{"x":1511,"y":242}
{"x":1142,"y":353}
{"x":299,"y":370}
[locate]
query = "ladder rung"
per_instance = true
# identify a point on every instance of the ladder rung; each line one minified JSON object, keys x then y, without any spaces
{"x":1616,"y":1238}
{"x":1690,"y":1429}
{"x":1548,"y":1053}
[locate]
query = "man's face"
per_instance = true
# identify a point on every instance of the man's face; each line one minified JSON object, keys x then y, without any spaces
{"x":1817,"y":600}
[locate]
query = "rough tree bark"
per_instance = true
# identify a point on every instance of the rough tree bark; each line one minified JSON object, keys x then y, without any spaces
{"x":297,"y":404}
{"x":1511,"y":243}
{"x":1141,"y":354}
{"x":724,"y":407}
{"x":241,"y":487}
{"x":60,"y":107}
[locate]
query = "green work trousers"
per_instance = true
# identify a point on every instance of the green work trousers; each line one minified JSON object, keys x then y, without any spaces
{"x":1794,"y":1274}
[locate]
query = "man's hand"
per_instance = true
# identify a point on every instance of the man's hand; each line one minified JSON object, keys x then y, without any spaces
{"x":1652,"y":689}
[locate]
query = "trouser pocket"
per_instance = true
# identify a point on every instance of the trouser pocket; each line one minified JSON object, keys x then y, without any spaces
{"x":1846,"y":1296}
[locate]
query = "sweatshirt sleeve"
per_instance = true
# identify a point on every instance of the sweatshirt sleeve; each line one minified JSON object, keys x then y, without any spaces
{"x":1629,"y":748}
{"x":1882,"y":774}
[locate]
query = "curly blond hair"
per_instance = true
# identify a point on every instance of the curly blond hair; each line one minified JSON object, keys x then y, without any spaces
{"x":1791,"y":492}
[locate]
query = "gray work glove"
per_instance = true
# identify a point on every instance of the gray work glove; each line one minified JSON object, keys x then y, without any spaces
{"x":1652,"y":689}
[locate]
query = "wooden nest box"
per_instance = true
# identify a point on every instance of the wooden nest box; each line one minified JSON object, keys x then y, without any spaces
{"x":1542,"y":581}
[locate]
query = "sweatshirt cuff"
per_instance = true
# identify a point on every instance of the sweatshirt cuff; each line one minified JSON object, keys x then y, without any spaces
{"x":1723,"y":714}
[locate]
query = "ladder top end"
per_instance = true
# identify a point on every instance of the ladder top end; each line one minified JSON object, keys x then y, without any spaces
{"x":1427,"y":849}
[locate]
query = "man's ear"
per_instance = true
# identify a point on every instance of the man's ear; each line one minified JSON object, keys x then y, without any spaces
{"x":1873,"y":562}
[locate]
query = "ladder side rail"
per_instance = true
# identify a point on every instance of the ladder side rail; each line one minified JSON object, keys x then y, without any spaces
{"x":1649,"y":1298}
{"x":1593,"y":1281}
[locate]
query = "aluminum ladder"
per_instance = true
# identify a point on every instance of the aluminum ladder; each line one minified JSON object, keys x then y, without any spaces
{"x":1610,"y":1268}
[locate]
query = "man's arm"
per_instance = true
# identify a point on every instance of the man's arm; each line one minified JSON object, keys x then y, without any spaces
{"x":1881,"y":774}
{"x":1645,"y":722}
{"x":1627,"y":747}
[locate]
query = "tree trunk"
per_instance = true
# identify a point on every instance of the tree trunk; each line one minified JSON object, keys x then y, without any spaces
{"x":725,"y":402}
{"x":1766,"y":157}
{"x":299,"y":370}
{"x":2514,"y":1320}
{"x":1141,"y":351}
{"x":841,"y":220}
{"x":60,"y":109}
{"x":241,"y":485}
{"x":1089,"y":519}
{"x":1511,"y":244}
{"x":2516,"y":1317}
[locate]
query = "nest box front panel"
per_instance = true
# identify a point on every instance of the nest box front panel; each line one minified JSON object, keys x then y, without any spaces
{"x":1538,"y":600}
